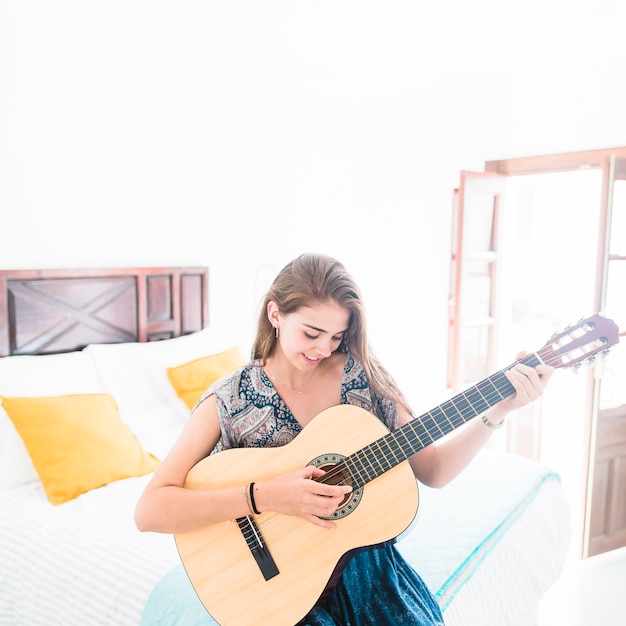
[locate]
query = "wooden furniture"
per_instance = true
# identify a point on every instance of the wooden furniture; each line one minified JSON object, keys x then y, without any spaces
{"x":59,"y":310}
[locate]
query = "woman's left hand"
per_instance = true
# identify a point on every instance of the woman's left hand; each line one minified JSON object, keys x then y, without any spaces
{"x":529,"y":383}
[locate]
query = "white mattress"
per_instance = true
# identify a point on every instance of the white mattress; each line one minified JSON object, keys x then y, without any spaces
{"x":535,"y":549}
{"x":83,"y":563}
{"x":489,"y":545}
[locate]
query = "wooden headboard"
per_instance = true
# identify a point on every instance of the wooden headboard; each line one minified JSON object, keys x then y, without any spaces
{"x":60,"y":310}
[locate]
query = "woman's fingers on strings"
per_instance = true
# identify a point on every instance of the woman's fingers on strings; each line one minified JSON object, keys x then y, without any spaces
{"x":322,"y":488}
{"x":528,"y":381}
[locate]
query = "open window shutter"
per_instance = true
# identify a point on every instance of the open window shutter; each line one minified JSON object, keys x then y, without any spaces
{"x":474,"y":272}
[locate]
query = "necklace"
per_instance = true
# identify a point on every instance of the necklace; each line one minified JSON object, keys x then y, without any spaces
{"x":280,"y":382}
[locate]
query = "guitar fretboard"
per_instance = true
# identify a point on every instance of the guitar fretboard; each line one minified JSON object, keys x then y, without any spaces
{"x":380,"y":456}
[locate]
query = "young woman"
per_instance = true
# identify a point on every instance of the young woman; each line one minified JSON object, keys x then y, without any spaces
{"x":311,"y":352}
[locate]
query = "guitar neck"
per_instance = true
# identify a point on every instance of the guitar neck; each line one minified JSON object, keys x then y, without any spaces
{"x":385,"y":453}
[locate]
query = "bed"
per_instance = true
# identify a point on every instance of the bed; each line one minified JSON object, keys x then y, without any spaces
{"x":98,"y":371}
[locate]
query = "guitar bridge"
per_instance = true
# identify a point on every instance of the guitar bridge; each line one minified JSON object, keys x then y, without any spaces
{"x":259,"y":550}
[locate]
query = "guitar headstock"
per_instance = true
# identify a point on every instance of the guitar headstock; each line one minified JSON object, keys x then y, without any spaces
{"x":581,"y":342}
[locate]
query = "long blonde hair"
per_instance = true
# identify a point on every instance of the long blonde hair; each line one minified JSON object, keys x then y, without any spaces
{"x":317,"y":278}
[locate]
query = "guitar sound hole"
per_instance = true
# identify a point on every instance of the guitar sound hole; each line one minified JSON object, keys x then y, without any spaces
{"x":338,"y":475}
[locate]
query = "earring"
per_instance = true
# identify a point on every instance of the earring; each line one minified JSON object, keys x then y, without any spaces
{"x":276,"y":331}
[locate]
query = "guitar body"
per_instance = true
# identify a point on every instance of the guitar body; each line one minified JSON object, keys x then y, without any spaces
{"x":218,"y":560}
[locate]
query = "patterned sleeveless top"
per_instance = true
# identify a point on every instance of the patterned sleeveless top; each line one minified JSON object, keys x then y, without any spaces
{"x":252,"y":413}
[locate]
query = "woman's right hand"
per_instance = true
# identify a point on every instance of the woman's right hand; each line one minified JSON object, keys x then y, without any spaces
{"x":297,"y":495}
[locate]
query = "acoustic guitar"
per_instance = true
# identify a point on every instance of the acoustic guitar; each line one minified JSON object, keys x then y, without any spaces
{"x":272,"y":568}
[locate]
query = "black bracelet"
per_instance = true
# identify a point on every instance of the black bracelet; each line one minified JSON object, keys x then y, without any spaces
{"x":252,"y":502}
{"x":247,"y":498}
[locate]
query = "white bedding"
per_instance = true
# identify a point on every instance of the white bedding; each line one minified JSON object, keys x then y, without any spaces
{"x":488,"y":545}
{"x":491,"y":542}
{"x":505,"y":590}
{"x":84,"y":562}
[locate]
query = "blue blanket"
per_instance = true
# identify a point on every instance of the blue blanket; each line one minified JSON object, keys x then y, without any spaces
{"x":173,"y":602}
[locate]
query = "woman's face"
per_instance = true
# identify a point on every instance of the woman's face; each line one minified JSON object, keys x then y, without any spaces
{"x":312,"y":333}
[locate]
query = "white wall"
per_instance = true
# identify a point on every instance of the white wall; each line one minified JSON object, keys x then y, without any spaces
{"x":239,"y":134}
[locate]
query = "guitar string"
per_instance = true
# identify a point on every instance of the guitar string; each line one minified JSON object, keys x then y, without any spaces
{"x":492,"y":398}
{"x":435,"y":431}
{"x":280,"y":523}
{"x":431,"y":427}
{"x":332,"y":474}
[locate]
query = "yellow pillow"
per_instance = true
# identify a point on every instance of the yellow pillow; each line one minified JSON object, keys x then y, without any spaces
{"x":77,"y":442}
{"x":191,"y":380}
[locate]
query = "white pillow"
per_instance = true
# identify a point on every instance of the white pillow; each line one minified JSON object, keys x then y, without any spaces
{"x":16,"y":467}
{"x":45,"y":375}
{"x":135,"y":374}
{"x":156,"y":428}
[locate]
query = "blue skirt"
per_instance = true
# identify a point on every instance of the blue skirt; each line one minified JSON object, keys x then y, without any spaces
{"x":377,"y":588}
